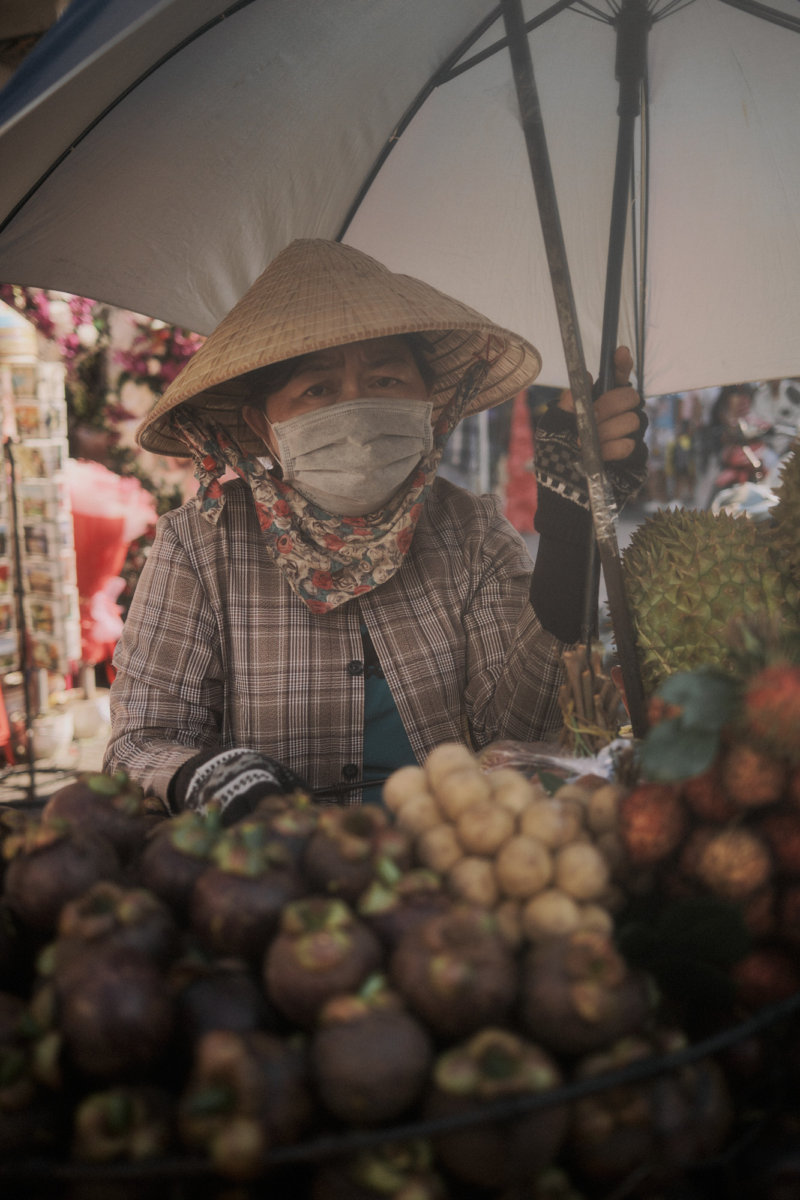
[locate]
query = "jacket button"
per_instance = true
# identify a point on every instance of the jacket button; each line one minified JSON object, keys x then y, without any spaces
{"x":355,"y":667}
{"x":350,"y":772}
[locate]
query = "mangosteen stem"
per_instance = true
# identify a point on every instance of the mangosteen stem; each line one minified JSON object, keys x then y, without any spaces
{"x":497,"y":1063}
{"x":209,"y":1101}
{"x":118,"y":1112}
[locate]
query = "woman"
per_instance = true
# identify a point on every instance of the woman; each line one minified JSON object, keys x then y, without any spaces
{"x":336,"y":610}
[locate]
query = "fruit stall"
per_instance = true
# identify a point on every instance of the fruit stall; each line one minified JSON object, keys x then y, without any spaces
{"x":557,"y":972}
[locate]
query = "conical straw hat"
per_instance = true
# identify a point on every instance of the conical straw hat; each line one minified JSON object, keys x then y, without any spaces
{"x":317,"y":294}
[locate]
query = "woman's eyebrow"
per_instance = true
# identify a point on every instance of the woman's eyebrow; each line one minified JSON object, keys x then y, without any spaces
{"x":388,"y":358}
{"x":326,"y":362}
{"x":317,"y":362}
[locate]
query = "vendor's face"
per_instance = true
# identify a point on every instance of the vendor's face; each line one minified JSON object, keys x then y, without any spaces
{"x":376,"y":368}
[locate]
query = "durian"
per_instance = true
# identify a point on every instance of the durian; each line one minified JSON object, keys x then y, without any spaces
{"x":785,"y":525}
{"x":688,"y":576}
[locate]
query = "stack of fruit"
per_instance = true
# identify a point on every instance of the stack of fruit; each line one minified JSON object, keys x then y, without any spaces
{"x":226,"y":996}
{"x":719,"y":816}
{"x":715,"y":603}
{"x":690,"y":576}
{"x":540,"y":860}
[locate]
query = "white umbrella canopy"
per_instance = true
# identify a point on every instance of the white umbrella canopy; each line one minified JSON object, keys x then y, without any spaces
{"x":157,"y":158}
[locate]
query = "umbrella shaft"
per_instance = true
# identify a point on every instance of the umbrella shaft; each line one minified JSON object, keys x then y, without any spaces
{"x":602,"y":504}
{"x":632,"y":24}
{"x":616,"y":252}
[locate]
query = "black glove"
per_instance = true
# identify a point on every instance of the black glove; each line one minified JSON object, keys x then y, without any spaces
{"x":234,"y":779}
{"x":564,"y":519}
{"x":559,"y":470}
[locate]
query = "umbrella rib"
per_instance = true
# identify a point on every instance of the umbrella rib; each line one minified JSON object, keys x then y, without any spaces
{"x":597,"y":14}
{"x":671,"y":7}
{"x":176,"y":49}
{"x":440,"y":76}
{"x":502,"y":43}
{"x":766,"y":13}
{"x":447,"y":71}
{"x":640,"y":272}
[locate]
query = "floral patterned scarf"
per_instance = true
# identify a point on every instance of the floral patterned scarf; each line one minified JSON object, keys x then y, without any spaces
{"x":326,"y":559}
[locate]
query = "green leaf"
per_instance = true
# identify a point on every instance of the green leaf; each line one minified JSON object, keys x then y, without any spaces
{"x":671,"y":752}
{"x":707,"y":696}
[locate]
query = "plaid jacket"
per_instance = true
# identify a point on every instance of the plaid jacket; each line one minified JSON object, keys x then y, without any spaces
{"x":217,"y":651}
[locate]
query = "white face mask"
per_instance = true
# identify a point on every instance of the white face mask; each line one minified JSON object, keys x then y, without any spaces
{"x":351,"y":458}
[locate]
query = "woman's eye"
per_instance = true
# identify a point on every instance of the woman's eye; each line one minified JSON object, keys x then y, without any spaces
{"x":387,"y":381}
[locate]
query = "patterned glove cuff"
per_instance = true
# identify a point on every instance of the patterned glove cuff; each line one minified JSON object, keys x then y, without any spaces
{"x":557,"y":459}
{"x":560,"y":477}
{"x":233,"y":779}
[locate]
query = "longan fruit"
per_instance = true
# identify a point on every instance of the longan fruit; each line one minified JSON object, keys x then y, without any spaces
{"x":459,"y":790}
{"x":552,"y":821}
{"x":417,"y":813}
{"x":402,"y":784}
{"x":551,"y":913}
{"x":595,"y":916}
{"x":511,"y":790}
{"x":473,"y":879}
{"x":524,"y":866}
{"x":438,"y":848}
{"x":573,"y":793}
{"x":484,"y":827}
{"x":602,"y":808}
{"x":581,"y":871}
{"x":447,"y":757}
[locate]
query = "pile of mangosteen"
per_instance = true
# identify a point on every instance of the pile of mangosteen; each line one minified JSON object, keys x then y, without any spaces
{"x":228,"y":995}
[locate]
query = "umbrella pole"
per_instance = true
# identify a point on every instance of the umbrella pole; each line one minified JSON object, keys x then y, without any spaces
{"x":600,"y":496}
{"x":632,"y":24}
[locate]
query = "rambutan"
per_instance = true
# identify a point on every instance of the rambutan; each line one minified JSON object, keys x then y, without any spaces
{"x":707,"y":798}
{"x":771,"y":709}
{"x":752,"y":777}
{"x":780,"y":828}
{"x":767,"y":975}
{"x":652,"y":821}
{"x":733,"y":863}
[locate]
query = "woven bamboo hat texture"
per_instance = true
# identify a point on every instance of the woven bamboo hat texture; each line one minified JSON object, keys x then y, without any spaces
{"x":317,"y":294}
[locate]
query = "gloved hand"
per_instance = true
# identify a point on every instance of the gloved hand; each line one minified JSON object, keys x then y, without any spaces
{"x":563,"y":513}
{"x":234,"y":779}
{"x":621,"y":423}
